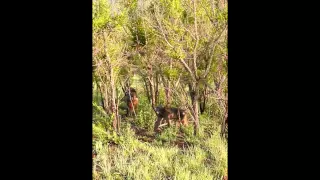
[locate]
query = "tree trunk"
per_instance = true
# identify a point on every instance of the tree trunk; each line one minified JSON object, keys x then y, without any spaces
{"x":168,"y":94}
{"x":157,"y":89}
{"x":128,"y":83}
{"x":114,"y":108}
{"x":203,"y":100}
{"x":107,"y":100}
{"x":167,"y":87}
{"x":118,"y":116}
{"x":152,"y":86}
{"x":224,"y":121}
{"x":101,"y":96}
{"x":196,"y":114}
{"x":113,"y":101}
{"x":152,"y":93}
{"x":194,"y":94}
{"x":147,"y":89}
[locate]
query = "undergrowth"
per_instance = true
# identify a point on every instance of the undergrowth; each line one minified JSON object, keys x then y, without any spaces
{"x":133,"y":159}
{"x":125,"y":156}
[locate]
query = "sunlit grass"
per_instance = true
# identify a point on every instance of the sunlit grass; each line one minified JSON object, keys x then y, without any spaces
{"x":134,"y":159}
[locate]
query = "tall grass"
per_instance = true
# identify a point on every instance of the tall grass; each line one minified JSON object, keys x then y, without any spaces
{"x":133,"y":159}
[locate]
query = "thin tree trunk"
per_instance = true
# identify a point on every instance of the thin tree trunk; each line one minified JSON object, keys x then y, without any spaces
{"x":168,"y":88}
{"x":128,"y":83}
{"x":168,"y":94}
{"x":224,"y":120}
{"x":113,"y":100}
{"x":118,"y":116}
{"x":203,"y":100}
{"x":196,"y":114}
{"x":102,"y":99}
{"x":152,"y":93}
{"x":106,"y":99}
{"x":194,"y":94}
{"x":147,"y":89}
{"x":157,"y":89}
{"x":151,"y":85}
{"x":114,"y":108}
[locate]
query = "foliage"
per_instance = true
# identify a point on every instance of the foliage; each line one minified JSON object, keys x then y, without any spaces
{"x":146,"y":117}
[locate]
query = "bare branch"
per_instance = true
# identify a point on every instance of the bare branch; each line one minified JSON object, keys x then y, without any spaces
{"x":161,"y":29}
{"x":211,"y":57}
{"x":197,"y":39}
{"x":207,"y":13}
{"x":186,"y":29}
{"x":188,"y":69}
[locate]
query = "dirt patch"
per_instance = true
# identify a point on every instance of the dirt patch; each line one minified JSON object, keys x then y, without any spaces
{"x":142,"y":134}
{"x":145,"y":136}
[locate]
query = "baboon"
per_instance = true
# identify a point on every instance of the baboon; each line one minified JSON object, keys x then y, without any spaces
{"x":132,"y":101}
{"x":169,"y":113}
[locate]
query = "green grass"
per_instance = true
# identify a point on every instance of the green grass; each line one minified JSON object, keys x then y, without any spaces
{"x":134,"y":159}
{"x":137,"y":160}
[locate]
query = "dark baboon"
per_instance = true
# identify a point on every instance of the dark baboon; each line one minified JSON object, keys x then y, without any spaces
{"x":169,"y":113}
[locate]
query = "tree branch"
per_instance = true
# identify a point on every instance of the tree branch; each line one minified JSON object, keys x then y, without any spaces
{"x":161,"y":29}
{"x":211,"y":57}
{"x":188,"y":69}
{"x":197,"y":40}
